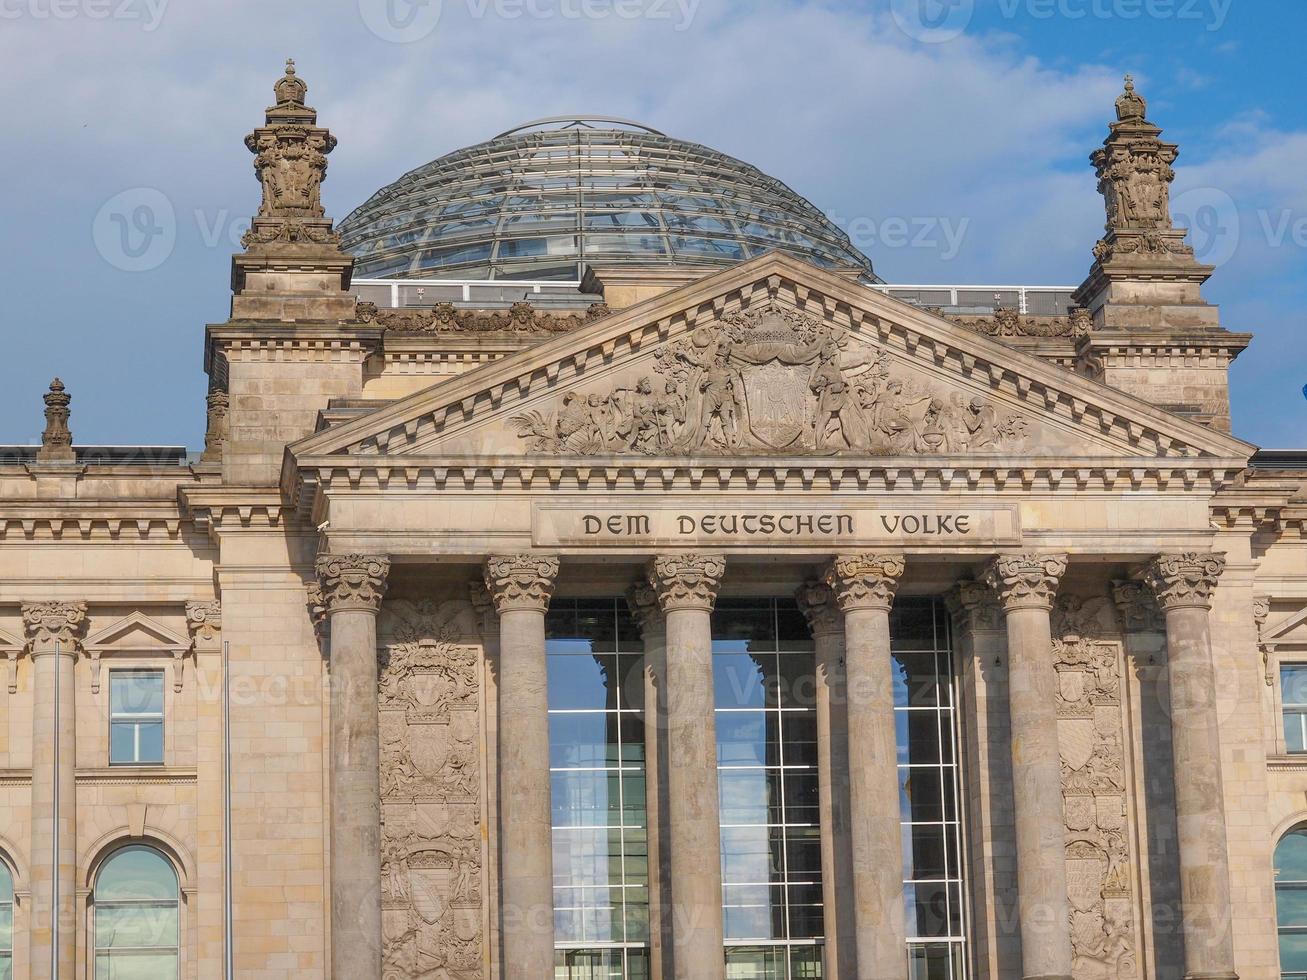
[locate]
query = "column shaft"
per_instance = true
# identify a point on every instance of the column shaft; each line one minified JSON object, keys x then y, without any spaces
{"x":876,"y":836}
{"x":1043,"y":907}
{"x":833,"y":791}
{"x":1027,"y":587}
{"x":687,"y":589}
{"x":1184,"y":585}
{"x":864,"y":586}
{"x":350,"y":589}
{"x":51,"y":672}
{"x":355,"y":796}
{"x":521,"y":587}
{"x":524,"y":797}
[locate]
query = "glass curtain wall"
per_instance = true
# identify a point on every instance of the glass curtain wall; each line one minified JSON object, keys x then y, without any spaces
{"x":596,"y":743}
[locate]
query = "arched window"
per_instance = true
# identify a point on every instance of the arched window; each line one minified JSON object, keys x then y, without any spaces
{"x":136,"y":916}
{"x":1291,"y":902}
{"x":6,"y":922}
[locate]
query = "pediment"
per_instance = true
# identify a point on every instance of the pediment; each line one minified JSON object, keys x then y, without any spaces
{"x":136,"y":633}
{"x":771,"y":359}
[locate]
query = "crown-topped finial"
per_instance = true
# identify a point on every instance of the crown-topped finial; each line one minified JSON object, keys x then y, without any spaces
{"x":1131,"y":106}
{"x":290,"y":88}
{"x":57,"y":439}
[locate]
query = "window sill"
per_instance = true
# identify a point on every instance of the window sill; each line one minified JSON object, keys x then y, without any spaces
{"x":136,"y":774}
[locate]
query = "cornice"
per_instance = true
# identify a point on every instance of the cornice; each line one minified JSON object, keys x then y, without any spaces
{"x":92,"y":520}
{"x":344,"y":474}
{"x":222,"y":509}
{"x":302,"y":341}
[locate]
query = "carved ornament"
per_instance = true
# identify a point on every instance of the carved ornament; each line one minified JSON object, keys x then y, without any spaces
{"x":642,"y":600}
{"x":1183,"y":581}
{"x":351,"y":582}
{"x":520,"y":318}
{"x":204,"y":620}
{"x":1026,"y":581}
{"x":772,"y":380}
{"x":521,"y":581}
{"x":974,"y":605}
{"x":817,"y":603}
{"x":865,"y":581}
{"x":47,"y":623}
{"x":687,"y":581}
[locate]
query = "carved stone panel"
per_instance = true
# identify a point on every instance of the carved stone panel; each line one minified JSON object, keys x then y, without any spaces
{"x":433,"y":854}
{"x":1091,"y":736}
{"x":774,"y":380}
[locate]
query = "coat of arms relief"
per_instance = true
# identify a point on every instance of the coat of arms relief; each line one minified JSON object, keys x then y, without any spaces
{"x":774,"y":380}
{"x":1091,"y":733}
{"x":432,"y":886}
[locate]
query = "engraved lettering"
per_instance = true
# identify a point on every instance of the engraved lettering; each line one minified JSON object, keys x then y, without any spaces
{"x":786,"y":519}
{"x":963,"y":523}
{"x":592,"y":524}
{"x":685,"y":525}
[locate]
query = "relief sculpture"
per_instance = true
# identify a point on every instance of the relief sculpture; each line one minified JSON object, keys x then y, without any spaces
{"x":432,"y":859}
{"x":1090,"y":737}
{"x":773,"y":381}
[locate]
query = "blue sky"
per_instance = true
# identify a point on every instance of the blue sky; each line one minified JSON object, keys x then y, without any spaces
{"x":970,"y":119}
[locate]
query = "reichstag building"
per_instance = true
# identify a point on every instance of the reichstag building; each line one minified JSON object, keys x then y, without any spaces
{"x":595,"y":570}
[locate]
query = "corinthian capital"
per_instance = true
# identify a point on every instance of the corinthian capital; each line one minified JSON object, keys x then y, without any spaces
{"x":642,"y":600}
{"x":351,"y":582}
{"x":1026,"y":581}
{"x":817,"y":603}
{"x":1184,"y":580}
{"x":974,"y":606}
{"x":1137,"y":607}
{"x":687,"y":581}
{"x":865,"y":581}
{"x":521,"y":581}
{"x":204,"y":620}
{"x":46,"y":623}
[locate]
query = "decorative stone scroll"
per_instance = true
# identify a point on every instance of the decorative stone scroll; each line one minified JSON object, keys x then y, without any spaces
{"x":1091,"y":729}
{"x":773,"y":380}
{"x":432,"y":882}
{"x":204,"y":620}
{"x":1184,"y":580}
{"x":47,"y":623}
{"x":687,"y":581}
{"x":521,"y":581}
{"x":976,"y":605}
{"x":218,"y":405}
{"x":1023,"y":581}
{"x":1137,"y":607}
{"x":520,"y":318}
{"x":865,"y":581}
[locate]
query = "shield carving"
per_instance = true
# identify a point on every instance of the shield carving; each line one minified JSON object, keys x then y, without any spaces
{"x":777,"y":398}
{"x":1071,"y":685}
{"x":428,"y":747}
{"x":1075,"y":739}
{"x":1079,"y":811}
{"x":1084,"y":881}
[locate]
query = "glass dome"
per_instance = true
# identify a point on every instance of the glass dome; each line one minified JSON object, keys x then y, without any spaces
{"x":545,"y":199}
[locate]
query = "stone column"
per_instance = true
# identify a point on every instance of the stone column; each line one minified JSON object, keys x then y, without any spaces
{"x":826,"y":623}
{"x":51,"y":625}
{"x":204,"y":620}
{"x":686,"y":586}
{"x":864,"y":586}
{"x":643,"y":602}
{"x":351,"y":590}
{"x":521,"y":586}
{"x":1184,"y":585}
{"x":1026,"y":587}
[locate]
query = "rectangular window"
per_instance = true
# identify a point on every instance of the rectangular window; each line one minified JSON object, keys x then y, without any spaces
{"x":763,"y":676}
{"x":595,"y":658}
{"x":1293,"y":700}
{"x":136,"y":717}
{"x":933,"y":887}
